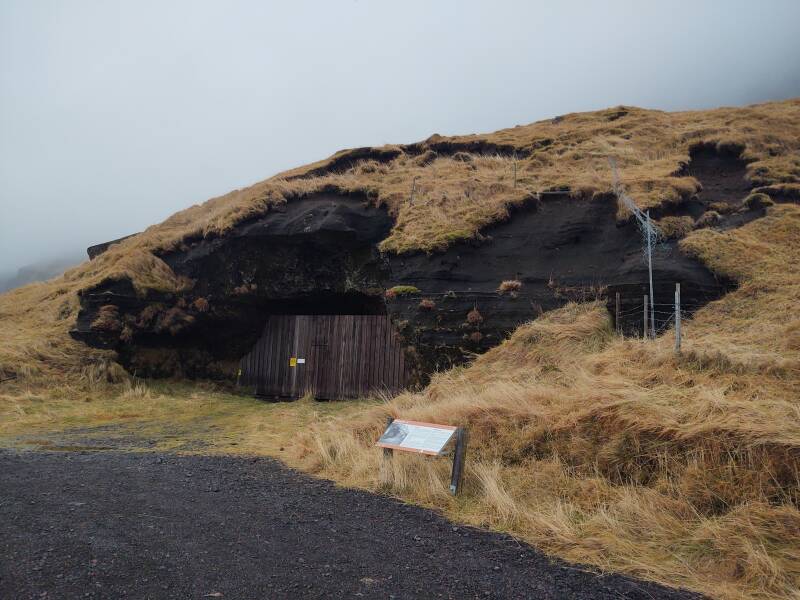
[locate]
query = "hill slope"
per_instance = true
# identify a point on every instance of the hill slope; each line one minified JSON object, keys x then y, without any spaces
{"x":605,"y":450}
{"x":437,"y":191}
{"x":40,"y":271}
{"x":615,"y":452}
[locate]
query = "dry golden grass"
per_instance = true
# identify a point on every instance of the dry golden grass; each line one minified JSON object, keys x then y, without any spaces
{"x":454,"y":198}
{"x":685,"y":470}
{"x":157,"y":416}
{"x":509,"y":286}
{"x":461,"y":184}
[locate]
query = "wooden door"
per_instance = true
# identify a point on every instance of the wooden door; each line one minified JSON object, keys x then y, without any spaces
{"x":329,"y":356}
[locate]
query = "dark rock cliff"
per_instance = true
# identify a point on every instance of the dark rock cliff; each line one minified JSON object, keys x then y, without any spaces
{"x":549,"y":252}
{"x":318,"y":255}
{"x":98,"y":249}
{"x":314,"y":256}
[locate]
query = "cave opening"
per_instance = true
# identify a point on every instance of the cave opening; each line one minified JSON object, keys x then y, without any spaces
{"x":326,"y":303}
{"x":315,"y":256}
{"x":327,"y":345}
{"x":212,"y":342}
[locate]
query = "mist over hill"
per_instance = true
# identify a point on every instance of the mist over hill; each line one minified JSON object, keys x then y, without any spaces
{"x":38,"y":271}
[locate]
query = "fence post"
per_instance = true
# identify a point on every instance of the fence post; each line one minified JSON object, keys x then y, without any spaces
{"x":677,"y":318}
{"x":413,"y":189}
{"x":616,"y":318}
{"x":459,"y":459}
{"x":515,"y":171}
{"x":645,"y":333}
{"x":388,"y":452}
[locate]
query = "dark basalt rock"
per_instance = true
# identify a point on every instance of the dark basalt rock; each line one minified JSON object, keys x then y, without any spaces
{"x":98,"y":249}
{"x":722,"y":173}
{"x":559,"y":250}
{"x":323,"y":244}
{"x":318,"y":255}
{"x":312,"y":256}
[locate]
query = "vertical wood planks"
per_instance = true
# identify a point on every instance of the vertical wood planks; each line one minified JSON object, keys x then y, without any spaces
{"x":346,"y":356}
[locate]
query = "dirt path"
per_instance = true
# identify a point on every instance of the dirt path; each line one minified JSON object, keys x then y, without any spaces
{"x":112,"y":525}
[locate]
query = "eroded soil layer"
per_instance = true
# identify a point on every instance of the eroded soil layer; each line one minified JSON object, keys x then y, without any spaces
{"x":113,"y":525}
{"x":557,"y":250}
{"x":721,"y":173}
{"x":319,"y":255}
{"x":314,"y":256}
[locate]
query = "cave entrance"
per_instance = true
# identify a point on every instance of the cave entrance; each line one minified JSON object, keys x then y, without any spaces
{"x":327,"y":344}
{"x":330,"y":356}
{"x":326,"y":303}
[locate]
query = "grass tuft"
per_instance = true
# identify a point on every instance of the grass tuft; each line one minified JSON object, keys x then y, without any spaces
{"x":509,"y":286}
{"x":401,"y":290}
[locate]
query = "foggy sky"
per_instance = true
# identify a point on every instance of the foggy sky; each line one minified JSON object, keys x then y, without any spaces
{"x":113,"y":115}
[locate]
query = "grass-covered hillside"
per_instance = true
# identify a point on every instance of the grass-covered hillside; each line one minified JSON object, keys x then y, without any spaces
{"x":618,"y":453}
{"x":438,"y":191}
{"x":613,"y":452}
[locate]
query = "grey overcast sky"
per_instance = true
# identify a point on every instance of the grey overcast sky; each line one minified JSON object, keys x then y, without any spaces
{"x":113,"y":115}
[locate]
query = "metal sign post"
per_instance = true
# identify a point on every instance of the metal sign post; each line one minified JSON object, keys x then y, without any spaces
{"x":459,"y":458}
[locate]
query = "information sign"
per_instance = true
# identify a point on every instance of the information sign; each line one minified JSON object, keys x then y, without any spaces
{"x":413,"y":436}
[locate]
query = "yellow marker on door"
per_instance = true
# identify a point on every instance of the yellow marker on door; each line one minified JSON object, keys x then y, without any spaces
{"x":293,"y":361}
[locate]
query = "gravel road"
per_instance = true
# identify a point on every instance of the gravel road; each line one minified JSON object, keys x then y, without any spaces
{"x":123,"y":525}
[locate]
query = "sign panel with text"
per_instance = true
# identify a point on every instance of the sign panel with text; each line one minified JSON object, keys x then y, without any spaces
{"x":413,"y":436}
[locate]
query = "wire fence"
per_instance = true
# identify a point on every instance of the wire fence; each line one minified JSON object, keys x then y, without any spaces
{"x":656,"y":318}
